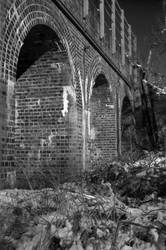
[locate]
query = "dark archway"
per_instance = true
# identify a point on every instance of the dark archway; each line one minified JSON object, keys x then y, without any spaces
{"x":45,"y":105}
{"x":102,"y":122}
{"x":39,"y":40}
{"x":128,"y":132}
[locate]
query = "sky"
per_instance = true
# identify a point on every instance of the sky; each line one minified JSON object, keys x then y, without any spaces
{"x":144,"y":16}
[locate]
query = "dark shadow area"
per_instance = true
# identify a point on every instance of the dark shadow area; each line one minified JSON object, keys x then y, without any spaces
{"x":39,"y":40}
{"x":128,"y":133}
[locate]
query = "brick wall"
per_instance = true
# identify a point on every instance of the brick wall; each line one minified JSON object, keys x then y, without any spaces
{"x":26,"y":125}
{"x":46,"y":116}
{"x":102,"y":142}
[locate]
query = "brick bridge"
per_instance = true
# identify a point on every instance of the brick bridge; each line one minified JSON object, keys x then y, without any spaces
{"x":71,"y":93}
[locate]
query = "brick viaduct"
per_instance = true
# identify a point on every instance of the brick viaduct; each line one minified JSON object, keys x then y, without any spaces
{"x":67,"y":83}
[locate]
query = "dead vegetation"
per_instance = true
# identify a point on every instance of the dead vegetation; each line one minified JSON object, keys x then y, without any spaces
{"x":120,"y":206}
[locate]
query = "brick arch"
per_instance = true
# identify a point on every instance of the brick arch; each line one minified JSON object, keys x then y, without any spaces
{"x":22,"y":17}
{"x":127,"y":99}
{"x":97,"y":67}
{"x":124,"y":92}
{"x":102,"y":118}
{"x":15,"y":34}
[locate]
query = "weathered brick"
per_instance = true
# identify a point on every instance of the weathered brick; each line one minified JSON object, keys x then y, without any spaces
{"x":45,"y":111}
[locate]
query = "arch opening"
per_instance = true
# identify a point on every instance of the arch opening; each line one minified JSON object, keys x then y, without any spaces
{"x":102,"y":132}
{"x":38,"y":41}
{"x":45,"y":105}
{"x":128,"y":132}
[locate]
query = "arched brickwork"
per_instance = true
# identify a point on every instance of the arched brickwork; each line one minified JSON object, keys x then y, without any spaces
{"x":86,"y":69}
{"x":123,"y":93}
{"x":101,"y":124}
{"x":22,"y":17}
{"x":97,"y":67}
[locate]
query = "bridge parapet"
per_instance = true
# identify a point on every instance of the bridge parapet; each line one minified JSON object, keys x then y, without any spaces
{"x":106,"y":24}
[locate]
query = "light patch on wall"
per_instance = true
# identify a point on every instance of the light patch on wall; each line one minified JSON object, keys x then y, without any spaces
{"x":16,"y":111}
{"x":50,"y":137}
{"x":110,"y":87}
{"x":70,"y":61}
{"x":58,"y":66}
{"x":81,"y":84}
{"x":10,"y":92}
{"x":91,"y":87}
{"x":65,"y":103}
{"x":38,"y":102}
{"x":88,"y":118}
{"x":92,"y":133}
{"x":39,"y":154}
{"x":43,"y":142}
{"x":110,"y":106}
{"x":22,"y":24}
{"x":22,"y":145}
{"x":86,"y":91}
{"x":67,"y":91}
